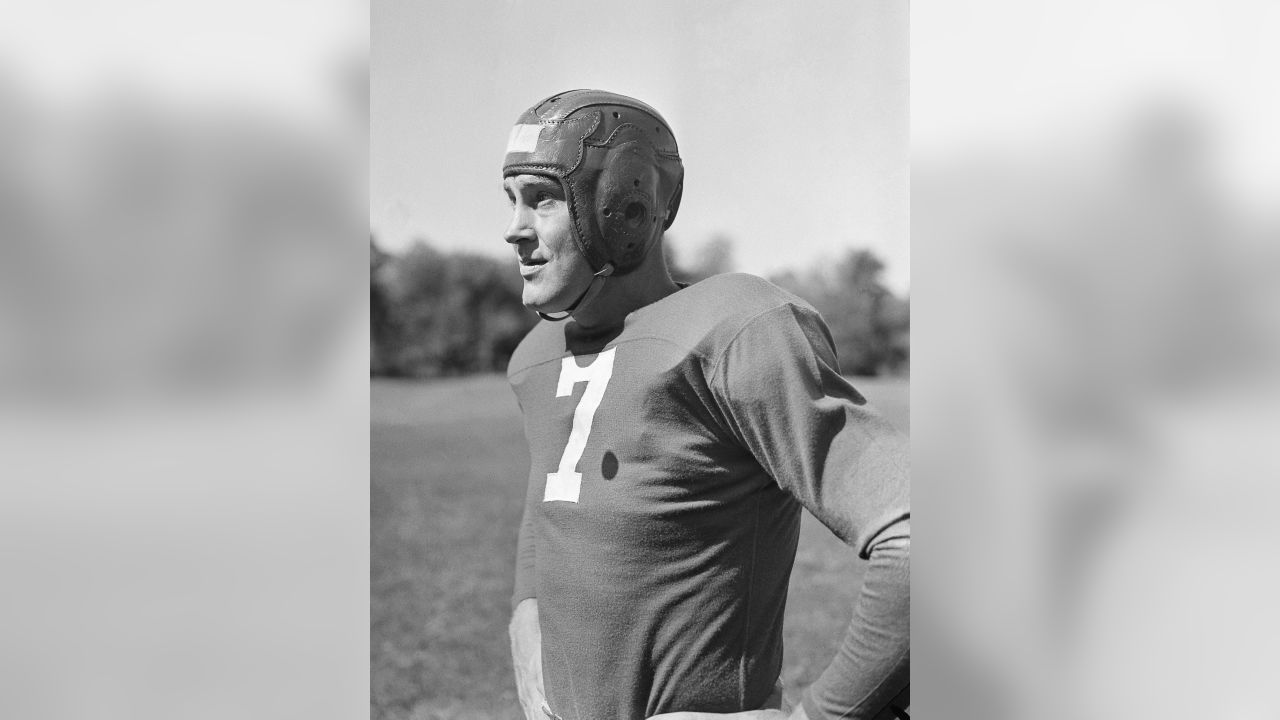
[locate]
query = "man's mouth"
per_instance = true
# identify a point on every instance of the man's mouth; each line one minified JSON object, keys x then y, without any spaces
{"x":530,"y":266}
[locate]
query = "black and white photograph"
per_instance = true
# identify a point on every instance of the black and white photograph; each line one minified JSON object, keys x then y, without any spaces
{"x":829,"y":359}
{"x":640,"y":356}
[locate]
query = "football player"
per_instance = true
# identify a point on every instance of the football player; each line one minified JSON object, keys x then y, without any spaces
{"x":675,"y":434}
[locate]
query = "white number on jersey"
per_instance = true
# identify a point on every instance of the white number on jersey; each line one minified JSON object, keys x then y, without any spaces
{"x":566,"y":482}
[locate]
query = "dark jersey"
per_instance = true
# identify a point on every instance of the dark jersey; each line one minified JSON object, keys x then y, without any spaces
{"x":670,"y":459}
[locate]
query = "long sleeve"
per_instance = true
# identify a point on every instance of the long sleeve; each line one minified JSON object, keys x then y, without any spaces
{"x":873,"y":664}
{"x":779,"y":386}
{"x":526,"y":585}
{"x":780,"y":389}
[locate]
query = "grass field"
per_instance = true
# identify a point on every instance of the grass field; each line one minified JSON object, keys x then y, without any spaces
{"x":448,"y":476}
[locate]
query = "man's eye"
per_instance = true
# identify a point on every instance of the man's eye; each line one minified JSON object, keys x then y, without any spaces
{"x":543,"y":197}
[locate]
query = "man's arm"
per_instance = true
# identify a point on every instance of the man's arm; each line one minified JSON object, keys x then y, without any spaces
{"x":525,"y":630}
{"x":872,"y":665}
{"x":526,"y":658}
{"x":526,"y":583}
{"x":780,"y":388}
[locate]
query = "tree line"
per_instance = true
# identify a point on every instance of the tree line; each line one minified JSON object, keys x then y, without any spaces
{"x":436,"y":313}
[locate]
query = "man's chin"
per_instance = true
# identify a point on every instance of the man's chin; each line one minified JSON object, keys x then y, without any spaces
{"x":542,"y":305}
{"x":558,"y":303}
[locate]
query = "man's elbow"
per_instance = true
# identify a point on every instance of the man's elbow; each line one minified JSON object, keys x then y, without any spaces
{"x":894,"y":541}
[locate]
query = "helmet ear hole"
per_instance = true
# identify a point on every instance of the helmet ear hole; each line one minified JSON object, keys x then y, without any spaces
{"x":673,"y":206}
{"x":635,"y":213}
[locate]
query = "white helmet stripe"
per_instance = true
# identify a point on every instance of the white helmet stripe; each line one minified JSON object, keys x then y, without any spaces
{"x":523,"y":138}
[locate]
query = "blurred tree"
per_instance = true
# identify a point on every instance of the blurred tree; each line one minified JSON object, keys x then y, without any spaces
{"x":450,"y":313}
{"x":852,"y":307}
{"x":673,"y":262}
{"x":895,"y":320}
{"x":870,"y":327}
{"x":435,"y":313}
{"x":712,"y":258}
{"x":382,"y":328}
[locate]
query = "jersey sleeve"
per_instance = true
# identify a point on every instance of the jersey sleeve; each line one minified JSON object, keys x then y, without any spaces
{"x":780,"y":388}
{"x":526,"y":553}
{"x":781,"y":392}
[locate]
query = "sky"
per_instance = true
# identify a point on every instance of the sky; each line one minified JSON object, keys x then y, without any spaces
{"x":286,"y":56}
{"x":792,"y":118}
{"x":1006,"y":72}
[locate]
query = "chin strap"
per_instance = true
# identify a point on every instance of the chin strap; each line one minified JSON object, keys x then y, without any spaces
{"x":597,"y":283}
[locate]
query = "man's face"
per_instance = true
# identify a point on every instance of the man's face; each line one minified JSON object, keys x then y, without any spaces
{"x":555,"y":272}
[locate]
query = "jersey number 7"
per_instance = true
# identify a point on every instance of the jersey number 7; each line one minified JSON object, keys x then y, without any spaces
{"x":566,"y":482}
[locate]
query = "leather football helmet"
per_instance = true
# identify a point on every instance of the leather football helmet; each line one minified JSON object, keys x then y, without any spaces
{"x":618,"y":163}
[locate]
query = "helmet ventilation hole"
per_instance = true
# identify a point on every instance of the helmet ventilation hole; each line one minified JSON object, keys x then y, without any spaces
{"x":607,"y":212}
{"x":616,"y":115}
{"x":636,"y":183}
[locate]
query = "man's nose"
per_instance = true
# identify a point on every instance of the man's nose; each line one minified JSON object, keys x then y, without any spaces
{"x":521,"y":227}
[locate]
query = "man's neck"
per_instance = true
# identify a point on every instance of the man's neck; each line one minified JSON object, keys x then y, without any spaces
{"x":623,"y":295}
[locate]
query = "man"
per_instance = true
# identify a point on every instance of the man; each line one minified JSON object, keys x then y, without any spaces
{"x":675,"y":433}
